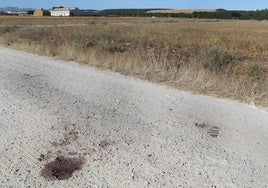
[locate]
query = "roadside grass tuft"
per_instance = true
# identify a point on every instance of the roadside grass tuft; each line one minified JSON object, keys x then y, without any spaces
{"x":257,"y":69}
{"x":215,"y":59}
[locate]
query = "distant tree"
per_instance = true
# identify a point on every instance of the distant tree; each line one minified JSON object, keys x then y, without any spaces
{"x":236,"y":15}
{"x":220,"y":10}
{"x":30,"y":12}
{"x":53,"y":8}
{"x":195,"y":14}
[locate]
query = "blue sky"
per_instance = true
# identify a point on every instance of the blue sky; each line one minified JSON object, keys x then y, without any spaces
{"x":106,"y":4}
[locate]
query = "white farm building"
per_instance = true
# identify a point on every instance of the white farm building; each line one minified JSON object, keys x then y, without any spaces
{"x":63,"y":11}
{"x":73,"y":12}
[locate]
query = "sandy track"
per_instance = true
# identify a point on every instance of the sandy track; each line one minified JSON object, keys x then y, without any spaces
{"x":130,"y":132}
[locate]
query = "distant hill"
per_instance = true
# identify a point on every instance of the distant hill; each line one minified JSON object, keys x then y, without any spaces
{"x":15,"y":9}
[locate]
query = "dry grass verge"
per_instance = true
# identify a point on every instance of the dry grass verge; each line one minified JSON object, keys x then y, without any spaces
{"x":215,"y":57}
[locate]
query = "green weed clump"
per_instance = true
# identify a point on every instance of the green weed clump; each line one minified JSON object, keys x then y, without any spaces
{"x":257,"y":69}
{"x":4,"y":30}
{"x":217,"y":60}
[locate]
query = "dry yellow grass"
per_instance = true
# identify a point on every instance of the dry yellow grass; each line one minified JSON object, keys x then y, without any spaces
{"x":20,"y":20}
{"x":215,"y":57}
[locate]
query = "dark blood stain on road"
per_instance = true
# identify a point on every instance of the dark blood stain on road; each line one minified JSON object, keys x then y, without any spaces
{"x":62,"y":168}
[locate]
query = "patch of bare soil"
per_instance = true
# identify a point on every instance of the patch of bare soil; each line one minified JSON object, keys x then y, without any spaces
{"x":62,"y":168}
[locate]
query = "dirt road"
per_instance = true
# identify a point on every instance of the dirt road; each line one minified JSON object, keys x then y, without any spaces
{"x":123,"y":132}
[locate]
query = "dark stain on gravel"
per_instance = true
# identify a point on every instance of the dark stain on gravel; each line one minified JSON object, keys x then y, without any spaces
{"x":68,"y":138}
{"x":104,"y":144}
{"x":31,"y":76}
{"x":42,"y":157}
{"x":62,"y":168}
{"x":212,"y":131}
{"x":55,"y":144}
{"x":201,"y":125}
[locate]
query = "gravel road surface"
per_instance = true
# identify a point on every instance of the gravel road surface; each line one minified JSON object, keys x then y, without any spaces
{"x":123,"y":132}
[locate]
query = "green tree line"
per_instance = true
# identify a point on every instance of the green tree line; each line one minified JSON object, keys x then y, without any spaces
{"x":218,"y":14}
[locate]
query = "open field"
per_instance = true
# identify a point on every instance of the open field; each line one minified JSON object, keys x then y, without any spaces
{"x":214,"y":57}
